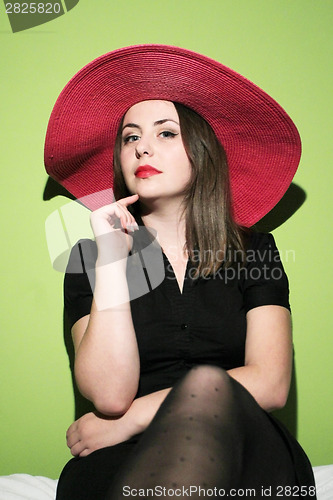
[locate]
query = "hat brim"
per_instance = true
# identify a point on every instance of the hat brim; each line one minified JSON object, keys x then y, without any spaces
{"x":261,"y":141}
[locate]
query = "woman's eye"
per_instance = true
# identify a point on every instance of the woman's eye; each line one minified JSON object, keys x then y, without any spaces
{"x":130,"y":138}
{"x":167,"y":134}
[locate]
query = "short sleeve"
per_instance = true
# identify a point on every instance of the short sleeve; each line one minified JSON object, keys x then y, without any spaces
{"x":264,"y":281}
{"x":79,"y":280}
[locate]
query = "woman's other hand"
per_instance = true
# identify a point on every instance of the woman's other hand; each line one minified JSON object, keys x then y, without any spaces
{"x":94,"y":431}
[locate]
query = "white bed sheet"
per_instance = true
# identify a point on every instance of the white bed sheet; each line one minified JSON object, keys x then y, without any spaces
{"x":25,"y":487}
{"x":324,"y":481}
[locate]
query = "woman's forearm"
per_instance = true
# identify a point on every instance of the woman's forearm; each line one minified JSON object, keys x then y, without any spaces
{"x":107,"y":365}
{"x":107,"y":360}
{"x":143,"y":410}
{"x":94,"y":431}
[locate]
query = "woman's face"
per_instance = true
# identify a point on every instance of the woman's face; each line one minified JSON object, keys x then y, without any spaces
{"x":153,"y":159}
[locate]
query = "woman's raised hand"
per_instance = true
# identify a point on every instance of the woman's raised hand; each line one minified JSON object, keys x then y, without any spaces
{"x":111,"y":225}
{"x":114,"y":216}
{"x":107,"y":365}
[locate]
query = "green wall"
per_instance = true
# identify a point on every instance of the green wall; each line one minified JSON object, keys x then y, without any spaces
{"x":286,"y":48}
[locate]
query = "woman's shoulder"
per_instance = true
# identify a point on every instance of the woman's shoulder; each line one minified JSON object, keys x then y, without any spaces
{"x":257,"y":240}
{"x":261,"y":248}
{"x":82,"y":257}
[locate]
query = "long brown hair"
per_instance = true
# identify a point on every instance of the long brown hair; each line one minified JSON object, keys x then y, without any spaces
{"x":212,"y":236}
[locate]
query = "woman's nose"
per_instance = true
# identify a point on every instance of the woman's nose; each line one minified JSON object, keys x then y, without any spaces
{"x":143,"y":148}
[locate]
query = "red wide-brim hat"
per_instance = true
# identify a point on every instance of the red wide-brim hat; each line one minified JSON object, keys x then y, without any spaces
{"x":262,"y":144}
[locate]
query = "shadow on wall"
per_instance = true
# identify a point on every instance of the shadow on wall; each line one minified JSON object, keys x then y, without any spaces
{"x":53,"y":189}
{"x":288,"y":415}
{"x":292,"y":200}
{"x":288,"y":205}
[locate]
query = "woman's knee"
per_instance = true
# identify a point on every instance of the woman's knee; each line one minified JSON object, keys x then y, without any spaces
{"x":209,"y":378}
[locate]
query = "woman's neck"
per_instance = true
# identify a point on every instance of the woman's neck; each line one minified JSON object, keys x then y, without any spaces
{"x":171,"y":236}
{"x":169,"y":223}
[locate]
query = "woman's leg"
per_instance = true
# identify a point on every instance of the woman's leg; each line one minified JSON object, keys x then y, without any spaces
{"x":209,"y":433}
{"x":89,"y":478}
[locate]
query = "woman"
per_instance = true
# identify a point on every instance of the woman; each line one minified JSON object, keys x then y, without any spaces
{"x":183,"y":370}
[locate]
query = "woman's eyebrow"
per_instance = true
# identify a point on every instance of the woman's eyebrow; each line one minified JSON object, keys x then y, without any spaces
{"x":131,"y":125}
{"x":158,"y":122}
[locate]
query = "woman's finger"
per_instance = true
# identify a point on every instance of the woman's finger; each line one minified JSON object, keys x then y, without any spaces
{"x":77,"y":449}
{"x":123,"y":203}
{"x":129,"y":200}
{"x":114,"y":214}
{"x":72,"y":439}
{"x":85,"y":452}
{"x":72,"y":428}
{"x":125,"y":217}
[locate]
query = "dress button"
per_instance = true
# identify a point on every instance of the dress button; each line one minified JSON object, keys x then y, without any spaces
{"x":183,"y":326}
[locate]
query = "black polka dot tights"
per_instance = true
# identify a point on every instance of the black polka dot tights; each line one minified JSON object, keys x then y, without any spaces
{"x":208,"y":437}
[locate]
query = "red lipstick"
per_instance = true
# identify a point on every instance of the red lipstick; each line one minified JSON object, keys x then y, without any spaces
{"x":145,"y":171}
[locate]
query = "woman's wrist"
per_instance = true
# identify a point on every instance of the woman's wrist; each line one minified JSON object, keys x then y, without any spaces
{"x":136,"y":418}
{"x":111,"y":286}
{"x":144,"y":409}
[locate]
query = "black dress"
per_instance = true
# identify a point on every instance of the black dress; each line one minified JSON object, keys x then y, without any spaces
{"x":203,"y":325}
